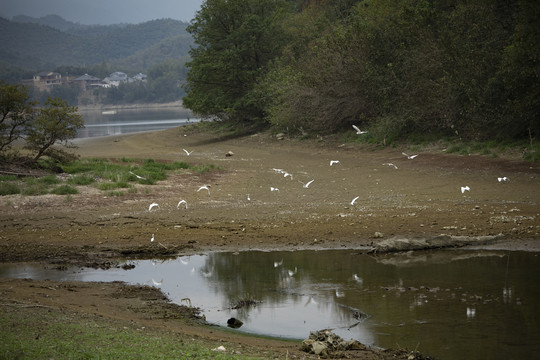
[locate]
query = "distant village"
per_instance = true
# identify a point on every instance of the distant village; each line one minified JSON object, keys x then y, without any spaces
{"x":45,"y":81}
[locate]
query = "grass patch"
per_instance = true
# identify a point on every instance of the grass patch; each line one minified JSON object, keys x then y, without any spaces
{"x":81,"y":180}
{"x":39,"y":333}
{"x":118,"y":174}
{"x":48,"y":180}
{"x":9,"y":188}
{"x":64,"y":190}
{"x":201,"y":169}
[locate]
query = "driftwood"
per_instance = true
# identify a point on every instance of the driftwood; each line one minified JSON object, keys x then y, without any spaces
{"x":19,"y":174}
{"x":397,"y":244}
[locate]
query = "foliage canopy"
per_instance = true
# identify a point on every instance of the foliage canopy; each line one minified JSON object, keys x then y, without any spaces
{"x":41,"y":127}
{"x":469,"y":69}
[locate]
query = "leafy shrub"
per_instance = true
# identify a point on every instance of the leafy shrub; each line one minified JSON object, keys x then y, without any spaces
{"x":9,"y":188}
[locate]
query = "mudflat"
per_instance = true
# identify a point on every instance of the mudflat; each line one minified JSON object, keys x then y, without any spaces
{"x":242,"y":210}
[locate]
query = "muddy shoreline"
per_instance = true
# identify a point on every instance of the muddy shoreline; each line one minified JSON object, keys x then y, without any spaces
{"x":419,"y":199}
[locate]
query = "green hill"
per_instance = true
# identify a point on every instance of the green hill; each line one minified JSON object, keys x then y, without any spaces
{"x":33,"y":46}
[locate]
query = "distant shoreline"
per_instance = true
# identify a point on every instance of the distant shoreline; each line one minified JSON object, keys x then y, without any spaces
{"x":102,"y":107}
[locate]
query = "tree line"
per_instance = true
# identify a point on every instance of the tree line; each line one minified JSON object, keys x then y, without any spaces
{"x":467,"y":68}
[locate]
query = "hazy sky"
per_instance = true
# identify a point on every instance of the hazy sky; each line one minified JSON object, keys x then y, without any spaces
{"x":91,"y":12}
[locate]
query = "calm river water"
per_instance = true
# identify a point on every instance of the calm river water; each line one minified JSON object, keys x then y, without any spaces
{"x":448,"y":304}
{"x":116,"y":122}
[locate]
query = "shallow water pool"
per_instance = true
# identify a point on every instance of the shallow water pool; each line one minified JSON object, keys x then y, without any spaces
{"x":447,"y":304}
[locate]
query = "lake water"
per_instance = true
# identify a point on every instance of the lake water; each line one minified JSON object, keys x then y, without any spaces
{"x":448,"y":304}
{"x":116,"y":122}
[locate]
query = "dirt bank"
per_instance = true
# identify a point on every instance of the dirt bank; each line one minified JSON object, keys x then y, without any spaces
{"x":420,"y":198}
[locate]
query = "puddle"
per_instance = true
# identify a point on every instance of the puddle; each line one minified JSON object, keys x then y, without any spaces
{"x":447,"y":304}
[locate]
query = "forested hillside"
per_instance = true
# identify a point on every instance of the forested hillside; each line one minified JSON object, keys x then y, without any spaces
{"x":468,"y":69}
{"x":37,"y":47}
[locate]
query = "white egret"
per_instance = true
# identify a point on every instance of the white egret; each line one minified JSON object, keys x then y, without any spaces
{"x":354,"y":200}
{"x":504,"y":178}
{"x":358,"y":131}
{"x":306,"y":185}
{"x":273,"y":188}
{"x":310,"y":301}
{"x":471,"y":312}
{"x":152,"y":239}
{"x":249,"y":198}
{"x":358,"y":279}
{"x":390,"y":164}
{"x":278,"y":263}
{"x":287,"y":174}
{"x":187,"y":152}
{"x":137,"y":176}
{"x":153,"y":205}
{"x":410,"y":157}
{"x":332,"y":162}
{"x":157,"y":283}
{"x":205,"y":187}
{"x":292,"y":273}
{"x":339,"y":293}
{"x":182,"y":202}
{"x":465,"y":188}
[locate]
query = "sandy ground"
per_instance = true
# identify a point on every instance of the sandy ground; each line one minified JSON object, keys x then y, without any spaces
{"x":421,"y":198}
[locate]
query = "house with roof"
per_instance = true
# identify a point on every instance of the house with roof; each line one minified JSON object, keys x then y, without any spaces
{"x":116,"y":78}
{"x":140,"y":77}
{"x":45,"y":80}
{"x":86,"y":82}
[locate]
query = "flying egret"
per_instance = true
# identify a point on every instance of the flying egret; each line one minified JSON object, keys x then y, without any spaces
{"x":358,"y":131}
{"x":354,"y":200}
{"x":293,"y":272}
{"x":137,"y":176}
{"x":311,"y":300}
{"x":273,"y":188}
{"x":153,"y":205}
{"x":205,"y":187}
{"x":157,"y":283}
{"x":306,"y":185}
{"x":181,"y":202}
{"x":287,"y":174}
{"x":187,"y":152}
{"x":410,"y":157}
{"x":332,"y":162}
{"x":390,"y":164}
{"x":465,"y":188}
{"x":504,"y":178}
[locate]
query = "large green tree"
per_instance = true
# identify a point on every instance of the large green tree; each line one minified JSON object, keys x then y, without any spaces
{"x":16,"y":111}
{"x":236,"y":39}
{"x":55,"y":122}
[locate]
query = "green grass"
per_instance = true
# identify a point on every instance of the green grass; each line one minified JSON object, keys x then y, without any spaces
{"x":113,"y":174}
{"x":81,"y":179}
{"x":46,"y":333}
{"x":9,"y":188}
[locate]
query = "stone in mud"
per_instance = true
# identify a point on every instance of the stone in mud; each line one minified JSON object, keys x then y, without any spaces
{"x":234,"y":323}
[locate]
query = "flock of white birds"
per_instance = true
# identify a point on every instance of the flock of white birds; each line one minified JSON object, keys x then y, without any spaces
{"x":304,"y":185}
